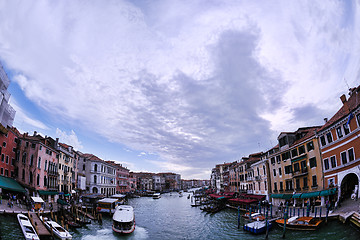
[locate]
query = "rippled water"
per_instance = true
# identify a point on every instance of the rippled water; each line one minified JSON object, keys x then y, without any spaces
{"x":172,"y":217}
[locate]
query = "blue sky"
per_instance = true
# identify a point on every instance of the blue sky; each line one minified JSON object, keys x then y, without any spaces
{"x":177,"y":85}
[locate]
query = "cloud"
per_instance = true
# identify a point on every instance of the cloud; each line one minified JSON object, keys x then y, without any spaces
{"x":70,"y":139}
{"x":23,"y":118}
{"x":197,"y":83}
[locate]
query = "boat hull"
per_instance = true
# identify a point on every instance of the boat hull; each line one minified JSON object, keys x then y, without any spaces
{"x":257,"y":227}
{"x":302,"y":224}
{"x":124,"y":231}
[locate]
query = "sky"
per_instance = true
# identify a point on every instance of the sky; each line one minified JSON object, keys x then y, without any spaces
{"x":177,"y":86}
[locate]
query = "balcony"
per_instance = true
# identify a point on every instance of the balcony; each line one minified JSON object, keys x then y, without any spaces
{"x":303,"y":172}
{"x":257,"y":178}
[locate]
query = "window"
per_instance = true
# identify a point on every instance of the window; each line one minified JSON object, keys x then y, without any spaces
{"x":351,"y":154}
{"x":264,"y":170}
{"x":296,"y":167}
{"x":279,"y":171}
{"x":265,"y":186}
{"x":297,"y":183}
{"x":38,"y":180}
{"x":329,"y":137}
{"x":31,"y":160}
{"x":14,"y":150}
{"x":322,"y":140}
{"x":312,"y":162}
{"x":95,"y":179}
{"x":346,"y":129}
{"x":314,"y":180}
{"x":326,"y":164}
{"x":285,"y":156}
{"x":2,"y":171}
{"x":7,"y":159}
{"x":303,"y":165}
{"x":39,"y":163}
{"x":259,"y":186}
{"x":23,"y":175}
{"x":281,"y":186}
{"x":288,"y":169}
{"x":45,"y":164}
{"x":40,"y":147}
{"x":283,"y":141}
{"x":294,"y":152}
{"x":278,"y":158}
{"x":95,"y":168}
{"x":310,"y":146}
{"x":305,"y":183}
{"x":33,"y":145}
{"x":6,"y":172}
{"x":24,"y":158}
{"x":2,"y":157}
{"x":60,"y":166}
{"x":83,"y":167}
{"x":333,"y":161}
{"x":289,"y":185}
{"x":4,"y":144}
{"x":339,"y":132}
{"x":343,"y":158}
{"x":358,"y":119}
{"x":301,"y":149}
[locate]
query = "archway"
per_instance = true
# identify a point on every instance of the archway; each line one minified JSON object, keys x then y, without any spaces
{"x":95,"y":190}
{"x":348,"y":185}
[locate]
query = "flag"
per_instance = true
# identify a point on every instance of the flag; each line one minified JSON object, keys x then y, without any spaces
{"x":351,"y":116}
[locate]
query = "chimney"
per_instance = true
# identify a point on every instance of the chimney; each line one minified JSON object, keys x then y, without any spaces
{"x":57,"y":142}
{"x":343,"y":98}
{"x":35,"y":132}
{"x":325,"y":120}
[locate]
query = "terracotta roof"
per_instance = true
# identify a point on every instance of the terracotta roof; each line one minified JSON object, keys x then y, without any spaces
{"x":64,"y":145}
{"x":352,"y":103}
{"x":91,"y":157}
{"x":310,"y":132}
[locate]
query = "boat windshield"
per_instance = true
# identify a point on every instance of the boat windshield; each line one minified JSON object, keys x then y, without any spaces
{"x":28,"y":229}
{"x":24,"y":218}
{"x":60,"y":229}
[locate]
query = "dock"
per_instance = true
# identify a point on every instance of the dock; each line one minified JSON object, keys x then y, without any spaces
{"x":86,"y":214}
{"x":40,"y":228}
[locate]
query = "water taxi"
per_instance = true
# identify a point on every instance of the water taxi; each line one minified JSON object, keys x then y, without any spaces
{"x":156,"y":196}
{"x":26,"y":227}
{"x":58,"y":230}
{"x":107,"y":205}
{"x":124,"y":219}
{"x":257,"y":227}
{"x":300,"y":223}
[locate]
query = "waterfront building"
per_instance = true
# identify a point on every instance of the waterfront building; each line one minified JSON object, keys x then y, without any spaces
{"x":172,"y":181}
{"x":8,"y":140}
{"x":295,"y":167}
{"x":36,"y":163}
{"x":122,"y":177}
{"x":7,"y":113}
{"x":81,"y":173}
{"x":261,"y":173}
{"x":132,"y":182}
{"x":215,"y":179}
{"x":144,"y":181}
{"x":159,"y":182}
{"x":340,"y":147}
{"x":247,"y":163}
{"x":66,"y":167}
{"x":100,"y":175}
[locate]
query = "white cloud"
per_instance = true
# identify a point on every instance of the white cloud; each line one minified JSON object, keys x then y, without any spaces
{"x":24,"y":119}
{"x":195,"y":82}
{"x":70,"y":139}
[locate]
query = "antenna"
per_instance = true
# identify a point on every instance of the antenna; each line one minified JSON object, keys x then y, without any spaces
{"x":346,"y":83}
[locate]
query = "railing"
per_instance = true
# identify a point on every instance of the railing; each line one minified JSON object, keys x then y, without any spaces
{"x":302,"y":172}
{"x":257,"y":178}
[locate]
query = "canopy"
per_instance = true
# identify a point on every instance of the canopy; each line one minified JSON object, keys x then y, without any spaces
{"x":37,"y":199}
{"x":310,"y":194}
{"x":257,"y":197}
{"x":107,"y":200}
{"x":118,"y":196}
{"x":10,"y":184}
{"x":297,"y":195}
{"x":244,"y":201}
{"x":62,"y":202}
{"x":328,"y":192}
{"x":282,"y":196}
{"x":42,"y":192}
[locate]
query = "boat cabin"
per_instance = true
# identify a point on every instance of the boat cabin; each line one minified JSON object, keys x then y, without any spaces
{"x":107,"y":205}
{"x":37,"y":201}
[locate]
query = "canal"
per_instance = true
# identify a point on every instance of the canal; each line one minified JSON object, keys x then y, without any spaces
{"x":172,"y":217}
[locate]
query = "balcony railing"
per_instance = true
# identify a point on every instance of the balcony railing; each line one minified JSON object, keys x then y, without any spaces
{"x":303,"y":172}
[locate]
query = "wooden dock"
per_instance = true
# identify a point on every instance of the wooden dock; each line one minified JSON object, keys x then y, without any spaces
{"x":87,"y":214}
{"x":40,"y":228}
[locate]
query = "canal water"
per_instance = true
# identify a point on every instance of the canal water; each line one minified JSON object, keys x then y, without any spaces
{"x":172,"y":217}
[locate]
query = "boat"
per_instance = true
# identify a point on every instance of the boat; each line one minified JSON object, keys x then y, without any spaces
{"x":254,"y":216}
{"x":26,"y":227}
{"x":56,"y":229}
{"x":257,"y":227}
{"x":180,"y":194}
{"x":156,"y":196}
{"x":70,"y":220}
{"x":300,"y":223}
{"x":107,"y":205}
{"x":213,"y":208}
{"x":123,"y":219}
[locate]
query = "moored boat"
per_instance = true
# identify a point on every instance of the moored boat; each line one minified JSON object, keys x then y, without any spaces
{"x":156,"y":196}
{"x":257,"y":227}
{"x":254,"y":216}
{"x":27,"y":228}
{"x":58,"y":230}
{"x":300,"y":223}
{"x":123,"y":219}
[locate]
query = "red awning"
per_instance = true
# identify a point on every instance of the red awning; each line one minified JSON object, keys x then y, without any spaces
{"x":220,"y":196}
{"x":257,"y":197}
{"x":244,"y":201}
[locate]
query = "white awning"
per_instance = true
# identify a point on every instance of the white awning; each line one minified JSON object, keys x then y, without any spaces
{"x":37,"y":199}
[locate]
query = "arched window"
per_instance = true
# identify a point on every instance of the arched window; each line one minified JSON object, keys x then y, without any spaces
{"x":23,"y":174}
{"x":38,"y":180}
{"x":45,"y":181}
{"x":24,"y":157}
{"x":95,"y":168}
{"x":31,"y":178}
{"x":31,"y":160}
{"x":95,"y":190}
{"x":95,"y":179}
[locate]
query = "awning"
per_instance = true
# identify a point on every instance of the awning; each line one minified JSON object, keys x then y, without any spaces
{"x":310,"y":195}
{"x":257,"y":197}
{"x":11,"y":184}
{"x":42,"y":192}
{"x":37,"y":199}
{"x":282,"y":196}
{"x":298,"y":158}
{"x":328,"y":192}
{"x":296,"y":195}
{"x":62,"y":202}
{"x":243,"y":201}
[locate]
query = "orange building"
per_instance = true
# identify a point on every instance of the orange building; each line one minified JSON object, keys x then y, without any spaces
{"x":340,"y":147}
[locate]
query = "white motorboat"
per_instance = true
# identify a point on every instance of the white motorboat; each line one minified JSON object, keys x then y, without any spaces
{"x":124,"y":219}
{"x":58,"y":230}
{"x":27,"y":228}
{"x":156,"y":196}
